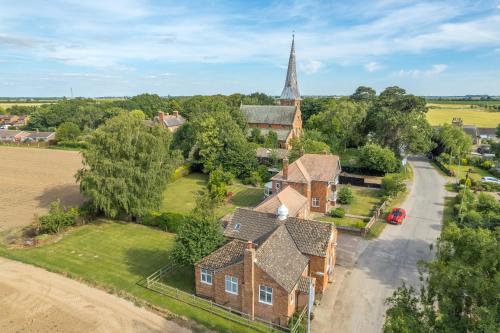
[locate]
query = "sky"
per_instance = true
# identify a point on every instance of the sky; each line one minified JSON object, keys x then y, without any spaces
{"x":126,"y":47}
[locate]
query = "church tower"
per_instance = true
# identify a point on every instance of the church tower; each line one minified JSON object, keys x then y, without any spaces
{"x":290,"y":94}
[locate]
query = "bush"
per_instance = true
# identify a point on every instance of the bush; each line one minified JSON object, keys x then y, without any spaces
{"x":375,"y":157}
{"x":489,"y":187}
{"x":253,"y":179}
{"x":181,"y":171}
{"x":217,"y":183}
{"x":337,"y":212}
{"x":359,"y":224}
{"x":487,"y":204}
{"x":167,"y":221}
{"x":345,"y":195}
{"x":393,"y":184}
{"x":57,"y":219}
{"x":486,"y":164}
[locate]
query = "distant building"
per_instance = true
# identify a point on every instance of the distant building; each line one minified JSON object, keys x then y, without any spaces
{"x":26,"y":136}
{"x":169,"y":121}
{"x":285,"y":119}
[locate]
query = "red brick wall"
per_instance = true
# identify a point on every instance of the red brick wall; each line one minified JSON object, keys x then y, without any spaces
{"x":223,"y":297}
{"x":320,"y":264}
{"x":202,"y":289}
{"x":320,"y":190}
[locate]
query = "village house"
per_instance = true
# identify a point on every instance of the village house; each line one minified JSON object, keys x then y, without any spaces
{"x":285,"y":119}
{"x":269,"y":264}
{"x":26,"y":136}
{"x":314,"y":176}
{"x":170,"y":121}
{"x":297,"y":204}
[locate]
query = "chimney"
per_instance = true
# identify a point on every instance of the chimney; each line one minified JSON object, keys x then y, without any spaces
{"x":248,"y":304}
{"x":176,"y":114}
{"x":161,"y":116}
{"x":285,"y":168}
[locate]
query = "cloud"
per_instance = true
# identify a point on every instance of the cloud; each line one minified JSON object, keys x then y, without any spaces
{"x":416,"y":73}
{"x":372,"y":66}
{"x":311,"y":67}
{"x":158,"y":76}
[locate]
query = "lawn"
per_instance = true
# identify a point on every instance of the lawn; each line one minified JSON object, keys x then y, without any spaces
{"x":364,"y":200}
{"x":344,"y":221}
{"x":439,"y":114}
{"x":476,"y":174}
{"x":116,"y":256}
{"x":180,"y":196}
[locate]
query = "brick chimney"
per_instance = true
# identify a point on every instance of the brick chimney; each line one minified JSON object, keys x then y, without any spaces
{"x":248,"y":300}
{"x":285,"y":168}
{"x":161,"y":117}
{"x":176,"y":114}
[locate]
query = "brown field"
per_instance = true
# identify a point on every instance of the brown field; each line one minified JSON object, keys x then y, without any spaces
{"x":31,"y":178}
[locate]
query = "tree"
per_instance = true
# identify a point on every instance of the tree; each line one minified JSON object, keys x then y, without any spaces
{"x":271,"y":140}
{"x":397,"y":120}
{"x":345,"y":195}
{"x":497,"y":133}
{"x":199,"y":235}
{"x":374,"y":157}
{"x":393,"y":184}
{"x":308,"y":145}
{"x":341,"y":123}
{"x":217,"y":184}
{"x":126,"y":167}
{"x":68,"y":132}
{"x":460,"y":292}
{"x":363,"y":93}
{"x":57,"y":219}
{"x":454,"y":140}
{"x":256,"y":136}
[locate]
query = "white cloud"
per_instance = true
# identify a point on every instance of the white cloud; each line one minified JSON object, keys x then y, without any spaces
{"x":311,"y":67}
{"x":158,"y":76}
{"x":372,"y":66}
{"x":416,"y":73}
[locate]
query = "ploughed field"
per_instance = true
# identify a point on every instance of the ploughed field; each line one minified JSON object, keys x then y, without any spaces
{"x":30,"y":179}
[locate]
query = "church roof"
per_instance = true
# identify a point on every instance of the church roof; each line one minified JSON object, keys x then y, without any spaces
{"x":269,"y":114}
{"x":291,"y":89}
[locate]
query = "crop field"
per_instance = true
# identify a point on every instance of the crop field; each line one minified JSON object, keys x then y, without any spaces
{"x":31,"y":179}
{"x":439,"y":114}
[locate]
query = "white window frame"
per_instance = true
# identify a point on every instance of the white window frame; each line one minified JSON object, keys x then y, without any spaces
{"x":233,"y":283}
{"x":205,"y":276}
{"x":314,"y":203}
{"x":267,"y":291}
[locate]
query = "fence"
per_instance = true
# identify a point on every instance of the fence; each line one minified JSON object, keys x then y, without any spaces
{"x":364,"y":231}
{"x":154,"y":283}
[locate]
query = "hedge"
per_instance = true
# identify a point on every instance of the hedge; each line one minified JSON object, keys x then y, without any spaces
{"x":167,"y":221}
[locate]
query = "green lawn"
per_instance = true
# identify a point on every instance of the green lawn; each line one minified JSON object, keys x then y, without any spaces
{"x":349,"y":157}
{"x":476,"y":173}
{"x":364,"y":200}
{"x":117,"y":256}
{"x":344,"y":221}
{"x":180,"y":196}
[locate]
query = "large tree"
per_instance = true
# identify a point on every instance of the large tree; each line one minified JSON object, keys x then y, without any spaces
{"x":397,"y":120}
{"x":454,"y":140}
{"x":126,"y":167}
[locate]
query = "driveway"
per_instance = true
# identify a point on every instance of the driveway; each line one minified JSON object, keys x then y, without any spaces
{"x":369,"y":271}
{"x":35,"y":300}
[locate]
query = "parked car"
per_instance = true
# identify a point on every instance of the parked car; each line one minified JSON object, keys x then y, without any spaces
{"x":490,"y":180}
{"x":397,"y":216}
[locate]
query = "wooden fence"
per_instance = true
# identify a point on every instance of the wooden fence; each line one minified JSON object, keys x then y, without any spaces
{"x":154,"y":283}
{"x":364,"y":231}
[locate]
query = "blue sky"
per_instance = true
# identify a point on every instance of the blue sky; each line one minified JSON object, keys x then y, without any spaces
{"x":116,"y":48}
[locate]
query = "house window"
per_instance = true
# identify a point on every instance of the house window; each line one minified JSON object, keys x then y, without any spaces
{"x":315,"y":202}
{"x":278,"y":186}
{"x":232,"y":284}
{"x":206,"y":276}
{"x":265,"y":294}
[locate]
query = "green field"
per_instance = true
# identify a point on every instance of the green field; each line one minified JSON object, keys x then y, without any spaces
{"x":439,"y":114}
{"x":364,"y":200}
{"x":6,"y":105}
{"x":344,"y":221}
{"x":180,"y":196}
{"x":116,"y":256}
{"x":463,"y":102}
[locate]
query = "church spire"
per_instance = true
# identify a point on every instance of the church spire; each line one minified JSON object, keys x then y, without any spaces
{"x":291,"y":89}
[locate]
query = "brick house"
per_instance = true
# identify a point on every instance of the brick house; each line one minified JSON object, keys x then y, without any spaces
{"x":266,"y":268}
{"x":285,"y":119}
{"x":315,"y":176}
{"x":169,"y":121}
{"x":296,"y":203}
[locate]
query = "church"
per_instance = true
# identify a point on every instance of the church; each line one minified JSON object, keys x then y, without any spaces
{"x":285,"y":119}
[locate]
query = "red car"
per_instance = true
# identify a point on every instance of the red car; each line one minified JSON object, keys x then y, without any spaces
{"x":396,"y":216}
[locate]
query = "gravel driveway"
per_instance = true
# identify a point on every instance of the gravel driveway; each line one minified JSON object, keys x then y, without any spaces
{"x":369,"y":271}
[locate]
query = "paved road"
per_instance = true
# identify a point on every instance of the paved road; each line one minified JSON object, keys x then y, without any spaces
{"x":368,"y":271}
{"x":35,"y":300}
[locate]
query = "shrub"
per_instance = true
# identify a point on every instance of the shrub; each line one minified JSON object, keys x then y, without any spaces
{"x":345,"y":195}
{"x":487,"y":203}
{"x":253,"y":179}
{"x":487,"y":164}
{"x":375,"y":157}
{"x":57,"y":219}
{"x":337,"y":212}
{"x":181,"y":171}
{"x":464,"y":161}
{"x":393,"y":184}
{"x":489,"y":187}
{"x":359,"y":224}
{"x":217,"y":183}
{"x":167,"y":221}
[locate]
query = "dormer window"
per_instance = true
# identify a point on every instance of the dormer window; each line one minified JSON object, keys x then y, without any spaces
{"x":237,"y":226}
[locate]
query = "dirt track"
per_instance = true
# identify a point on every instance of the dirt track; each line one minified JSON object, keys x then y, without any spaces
{"x":31,"y":178}
{"x":34,"y":300}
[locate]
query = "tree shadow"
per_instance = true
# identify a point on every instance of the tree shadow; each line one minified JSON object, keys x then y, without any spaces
{"x":144,"y":262}
{"x":68,"y":194}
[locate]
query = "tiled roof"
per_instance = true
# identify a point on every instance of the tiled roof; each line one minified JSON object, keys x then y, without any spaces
{"x":309,"y":167}
{"x":292,"y":199}
{"x":41,"y":134}
{"x":304,"y":283}
{"x":491,"y":132}
{"x":311,"y":237}
{"x":171,"y":120}
{"x":269,"y":114}
{"x":279,"y":257}
{"x":266,"y":152}
{"x":229,"y":254}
